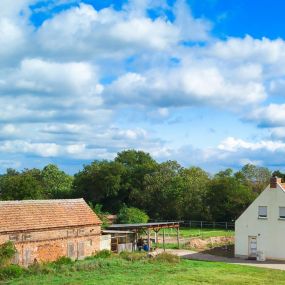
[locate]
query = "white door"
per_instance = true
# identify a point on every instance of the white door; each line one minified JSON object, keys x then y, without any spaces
{"x":252,"y":246}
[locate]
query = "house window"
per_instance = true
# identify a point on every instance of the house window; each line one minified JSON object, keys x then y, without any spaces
{"x":262,"y":212}
{"x":282,"y":213}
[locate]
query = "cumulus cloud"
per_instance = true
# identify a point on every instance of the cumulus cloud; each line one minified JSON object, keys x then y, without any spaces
{"x":272,"y":115}
{"x":183,"y":86}
{"x":65,"y":93}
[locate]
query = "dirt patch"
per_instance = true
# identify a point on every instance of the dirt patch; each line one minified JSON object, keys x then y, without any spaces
{"x":209,"y":243}
{"x":224,"y":251}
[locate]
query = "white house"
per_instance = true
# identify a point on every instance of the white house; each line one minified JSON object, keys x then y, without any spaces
{"x":260,"y":230}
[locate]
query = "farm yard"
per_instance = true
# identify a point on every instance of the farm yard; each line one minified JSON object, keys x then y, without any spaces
{"x":136,"y":269}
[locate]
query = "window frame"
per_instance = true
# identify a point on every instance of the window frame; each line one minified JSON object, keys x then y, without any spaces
{"x":283,"y":216}
{"x":264,"y":217}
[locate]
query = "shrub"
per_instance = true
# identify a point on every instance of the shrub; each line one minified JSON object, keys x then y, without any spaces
{"x":11,"y":271}
{"x":63,"y":261}
{"x":7,"y":252}
{"x":167,"y":257}
{"x":103,"y":254}
{"x":132,"y":215}
{"x":132,"y":256}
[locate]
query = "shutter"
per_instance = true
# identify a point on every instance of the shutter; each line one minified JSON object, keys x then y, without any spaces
{"x":81,"y":253}
{"x":282,"y":212}
{"x":262,"y":211}
{"x":70,"y":250}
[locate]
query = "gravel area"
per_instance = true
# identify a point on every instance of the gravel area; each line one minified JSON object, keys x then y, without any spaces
{"x":189,"y":254}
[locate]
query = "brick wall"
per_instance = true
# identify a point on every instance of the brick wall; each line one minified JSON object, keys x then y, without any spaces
{"x":49,"y":245}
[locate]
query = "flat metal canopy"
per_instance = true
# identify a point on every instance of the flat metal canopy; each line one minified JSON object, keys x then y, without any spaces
{"x":116,"y":232}
{"x":158,"y":225}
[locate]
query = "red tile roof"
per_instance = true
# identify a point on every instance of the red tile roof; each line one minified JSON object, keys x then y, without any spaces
{"x":43,"y":214}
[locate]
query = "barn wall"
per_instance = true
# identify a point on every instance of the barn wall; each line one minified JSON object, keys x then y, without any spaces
{"x":270,"y":232}
{"x":49,"y":245}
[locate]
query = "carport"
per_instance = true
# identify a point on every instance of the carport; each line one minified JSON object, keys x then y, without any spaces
{"x":147,"y":228}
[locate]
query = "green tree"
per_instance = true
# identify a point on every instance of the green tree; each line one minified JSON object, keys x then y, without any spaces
{"x":132,"y":215}
{"x":21,"y":186}
{"x":195,"y":189}
{"x":162,"y":197}
{"x":255,"y":177}
{"x":56,"y":182}
{"x":136,"y":164}
{"x":228,"y":197}
{"x":100,"y":183}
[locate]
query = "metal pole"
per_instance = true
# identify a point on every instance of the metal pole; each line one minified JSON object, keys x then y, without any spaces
{"x":148,"y":239}
{"x":163,"y":238}
{"x":178,"y":237}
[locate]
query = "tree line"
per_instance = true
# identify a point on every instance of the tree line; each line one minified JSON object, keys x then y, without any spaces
{"x":165,"y":191}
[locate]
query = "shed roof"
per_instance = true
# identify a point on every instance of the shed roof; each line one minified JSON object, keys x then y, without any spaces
{"x":45,"y":214}
{"x":156,"y":225}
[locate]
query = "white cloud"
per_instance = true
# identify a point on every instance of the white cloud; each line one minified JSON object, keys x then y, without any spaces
{"x":249,"y":49}
{"x":84,"y":32}
{"x":184,"y":86}
{"x":66,"y":91}
{"x":272,"y":115}
{"x":233,"y":145}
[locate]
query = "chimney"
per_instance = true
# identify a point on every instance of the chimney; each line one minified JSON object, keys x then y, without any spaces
{"x":273,"y":181}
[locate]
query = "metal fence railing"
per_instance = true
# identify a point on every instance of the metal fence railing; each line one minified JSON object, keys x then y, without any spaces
{"x":202,"y":224}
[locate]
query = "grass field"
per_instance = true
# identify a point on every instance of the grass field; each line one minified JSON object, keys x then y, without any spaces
{"x":196,"y":232}
{"x":119,"y":271}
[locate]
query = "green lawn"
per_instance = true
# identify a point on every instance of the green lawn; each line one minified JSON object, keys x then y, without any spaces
{"x":204,"y":233}
{"x":118,"y":271}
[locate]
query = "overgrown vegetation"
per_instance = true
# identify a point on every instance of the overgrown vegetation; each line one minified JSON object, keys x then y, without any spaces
{"x":137,"y":269}
{"x":165,"y":191}
{"x":7,"y":252}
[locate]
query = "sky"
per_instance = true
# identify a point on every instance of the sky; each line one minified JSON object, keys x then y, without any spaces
{"x":200,"y":82}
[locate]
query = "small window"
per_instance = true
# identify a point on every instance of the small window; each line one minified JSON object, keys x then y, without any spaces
{"x":282,"y":213}
{"x":262,"y":212}
{"x":14,"y":237}
{"x":27,"y":237}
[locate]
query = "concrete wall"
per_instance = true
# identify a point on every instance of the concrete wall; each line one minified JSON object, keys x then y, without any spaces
{"x":49,"y":245}
{"x":270,"y":232}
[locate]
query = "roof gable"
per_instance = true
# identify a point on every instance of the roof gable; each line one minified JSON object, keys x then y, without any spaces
{"x":45,"y":214}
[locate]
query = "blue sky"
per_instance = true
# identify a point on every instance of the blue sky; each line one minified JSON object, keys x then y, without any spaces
{"x":200,"y":82}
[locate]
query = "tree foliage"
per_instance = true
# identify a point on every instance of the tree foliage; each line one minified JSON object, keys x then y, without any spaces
{"x":134,"y":180}
{"x":132,"y":215}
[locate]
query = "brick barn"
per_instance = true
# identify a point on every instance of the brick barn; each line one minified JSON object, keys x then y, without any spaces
{"x":45,"y":230}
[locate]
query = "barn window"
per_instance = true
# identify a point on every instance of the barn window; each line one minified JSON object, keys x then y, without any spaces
{"x":282,"y":212}
{"x":27,"y":237}
{"x":71,"y":250}
{"x":262,"y":212}
{"x":14,"y":237}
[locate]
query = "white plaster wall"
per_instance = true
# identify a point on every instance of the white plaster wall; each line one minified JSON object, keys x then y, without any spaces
{"x":105,"y":242}
{"x":270,"y":232}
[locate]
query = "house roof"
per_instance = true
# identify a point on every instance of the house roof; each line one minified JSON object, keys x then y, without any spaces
{"x":43,"y":214}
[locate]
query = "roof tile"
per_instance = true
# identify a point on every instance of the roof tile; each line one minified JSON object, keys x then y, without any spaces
{"x":42,"y":214}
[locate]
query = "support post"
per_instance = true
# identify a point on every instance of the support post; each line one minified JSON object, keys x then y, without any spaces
{"x":148,"y":240}
{"x":163,"y":238}
{"x":178,"y":238}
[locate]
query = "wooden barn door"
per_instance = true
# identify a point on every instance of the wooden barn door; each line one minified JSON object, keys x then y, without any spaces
{"x":81,"y":250}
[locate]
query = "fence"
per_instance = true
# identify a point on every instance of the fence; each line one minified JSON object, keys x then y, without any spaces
{"x":203,"y":224}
